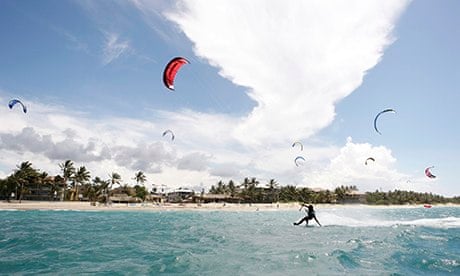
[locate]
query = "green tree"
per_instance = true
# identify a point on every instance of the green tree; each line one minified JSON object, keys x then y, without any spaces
{"x":212,"y":190}
{"x":4,"y":189}
{"x":115,"y":178}
{"x":82,"y":176}
{"x":125,"y":189}
{"x":220,"y":187}
{"x":273,"y":190}
{"x":68,"y":171}
{"x":24,"y":175}
{"x":231,"y":188}
{"x":141,"y":192}
{"x":7,"y":187}
{"x":288,"y":194}
{"x":140,"y":177}
{"x":340,"y":193}
{"x":46,"y":181}
{"x":251,"y":190}
{"x":99,"y":188}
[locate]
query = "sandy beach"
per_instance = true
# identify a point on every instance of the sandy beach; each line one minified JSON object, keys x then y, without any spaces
{"x":86,"y":206}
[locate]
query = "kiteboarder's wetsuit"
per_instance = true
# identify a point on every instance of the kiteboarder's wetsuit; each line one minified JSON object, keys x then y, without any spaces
{"x":310,"y":215}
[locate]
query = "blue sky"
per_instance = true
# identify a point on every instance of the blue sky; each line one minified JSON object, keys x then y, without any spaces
{"x":262,"y":75}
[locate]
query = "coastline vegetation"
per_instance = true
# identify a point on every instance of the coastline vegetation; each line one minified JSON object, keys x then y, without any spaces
{"x":273,"y":192}
{"x":75,"y":184}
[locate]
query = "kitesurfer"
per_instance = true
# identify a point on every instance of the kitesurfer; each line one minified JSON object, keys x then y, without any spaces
{"x":310,"y":215}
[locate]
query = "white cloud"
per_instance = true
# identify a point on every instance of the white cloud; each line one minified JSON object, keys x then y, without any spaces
{"x":28,"y":140}
{"x":48,"y":135}
{"x":199,"y":156}
{"x":297,"y":58}
{"x":75,"y":42}
{"x":226,"y":170}
{"x":148,"y":157}
{"x":114,"y":48}
{"x":195,"y":161}
{"x":348,"y":168}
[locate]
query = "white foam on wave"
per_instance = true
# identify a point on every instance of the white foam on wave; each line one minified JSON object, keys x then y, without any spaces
{"x":449,"y":222}
{"x":339,"y":220}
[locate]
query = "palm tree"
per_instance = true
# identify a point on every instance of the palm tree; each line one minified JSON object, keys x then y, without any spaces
{"x":252,"y":189}
{"x":56,"y":184}
{"x":220,"y":187}
{"x":45,"y":180}
{"x":340,"y":193}
{"x":82,"y":176}
{"x":140,"y":177}
{"x":68,"y":171}
{"x":231,"y":188}
{"x":20,"y":175}
{"x":272,"y":186}
{"x":245,"y":185}
{"x":115,"y":178}
{"x":99,"y":186}
{"x":24,"y":174}
{"x":4,"y":191}
{"x":289,"y":193}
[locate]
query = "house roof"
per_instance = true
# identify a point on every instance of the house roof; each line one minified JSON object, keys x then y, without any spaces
{"x":183,"y":190}
{"x":354,"y":193}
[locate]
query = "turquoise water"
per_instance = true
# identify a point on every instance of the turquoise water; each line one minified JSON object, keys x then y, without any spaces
{"x":357,"y":241}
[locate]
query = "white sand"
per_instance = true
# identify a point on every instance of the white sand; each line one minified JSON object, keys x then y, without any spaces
{"x":67,"y":205}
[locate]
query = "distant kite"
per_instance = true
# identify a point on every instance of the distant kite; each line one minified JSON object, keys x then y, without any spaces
{"x":298,"y":143}
{"x":170,"y":132}
{"x":297,"y":159}
{"x":370,"y":158}
{"x":428,"y":172}
{"x":380,"y":113}
{"x":171,"y":70}
{"x":13,"y":102}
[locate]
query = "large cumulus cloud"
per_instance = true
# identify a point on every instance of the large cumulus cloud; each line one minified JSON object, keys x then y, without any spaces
{"x":297,"y":58}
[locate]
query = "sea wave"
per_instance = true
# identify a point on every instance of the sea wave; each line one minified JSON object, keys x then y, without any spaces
{"x":402,"y":242}
{"x":337,"y":220}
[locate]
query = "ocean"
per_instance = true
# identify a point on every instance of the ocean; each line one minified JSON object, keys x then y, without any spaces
{"x":352,"y":241}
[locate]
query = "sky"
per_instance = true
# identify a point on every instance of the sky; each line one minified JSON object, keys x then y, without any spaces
{"x":263,"y":74}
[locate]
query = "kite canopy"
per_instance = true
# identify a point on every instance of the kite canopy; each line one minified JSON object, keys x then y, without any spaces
{"x":428,"y":172}
{"x":170,"y":132}
{"x":297,"y":159}
{"x":378,"y":115}
{"x":171,"y":69}
{"x":13,"y":102}
{"x":370,"y":158}
{"x":298,"y":143}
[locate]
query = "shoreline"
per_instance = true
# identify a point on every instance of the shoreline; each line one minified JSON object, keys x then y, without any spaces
{"x":151,"y":207}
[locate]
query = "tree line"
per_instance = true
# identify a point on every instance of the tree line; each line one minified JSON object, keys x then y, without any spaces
{"x":29,"y":182}
{"x":251,"y":190}
{"x":407,"y":197}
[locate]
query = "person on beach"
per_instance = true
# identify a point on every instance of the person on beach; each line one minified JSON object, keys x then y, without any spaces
{"x":310,"y":215}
